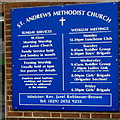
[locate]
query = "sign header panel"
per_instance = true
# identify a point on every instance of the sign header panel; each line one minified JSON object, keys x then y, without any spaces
{"x":65,"y":57}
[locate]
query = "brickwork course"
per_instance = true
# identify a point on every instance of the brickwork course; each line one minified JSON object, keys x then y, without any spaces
{"x":39,"y":115}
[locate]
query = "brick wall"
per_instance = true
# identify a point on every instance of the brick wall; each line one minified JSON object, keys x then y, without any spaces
{"x":38,"y":115}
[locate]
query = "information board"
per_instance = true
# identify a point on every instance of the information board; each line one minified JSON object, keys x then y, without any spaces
{"x":65,"y":57}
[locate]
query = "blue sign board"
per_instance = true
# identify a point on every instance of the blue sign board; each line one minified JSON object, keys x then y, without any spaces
{"x":65,"y":57}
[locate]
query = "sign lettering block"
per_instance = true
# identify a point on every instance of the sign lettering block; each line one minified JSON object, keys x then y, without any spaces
{"x":65,"y":57}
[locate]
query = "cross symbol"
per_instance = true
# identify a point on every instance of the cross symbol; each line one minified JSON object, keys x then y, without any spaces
{"x":62,"y":21}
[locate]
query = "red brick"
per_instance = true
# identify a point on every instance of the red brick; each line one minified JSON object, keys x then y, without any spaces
{"x":119,"y":31}
{"x":44,"y":114}
{"x":40,"y":119}
{"x":88,"y":119}
{"x":7,"y":97}
{"x":8,"y":77}
{"x":17,"y":4}
{"x":10,"y":108}
{"x":115,"y":115}
{"x":55,"y":114}
{"x":8,"y":39}
{"x":9,"y":102}
{"x":8,"y":87}
{"x":7,"y":108}
{"x":8,"y":71}
{"x":8,"y":54}
{"x":8,"y":60}
{"x":7,"y":21}
{"x":50,"y":3}
{"x":9,"y":65}
{"x":100,"y":115}
{"x":43,"y":3}
{"x":8,"y":43}
{"x":11,"y":119}
{"x":7,"y":10}
{"x":71,"y":119}
{"x":7,"y":15}
{"x":26,"y":118}
{"x":14,"y":113}
{"x":28,"y":114}
{"x":31,"y":4}
{"x":85,"y":115}
{"x":8,"y":48}
{"x":8,"y":27}
{"x":8,"y":33}
{"x":1,"y":8}
{"x":70,"y":115}
{"x":9,"y":81}
{"x":10,"y":97}
{"x":55,"y":119}
{"x":9,"y":92}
